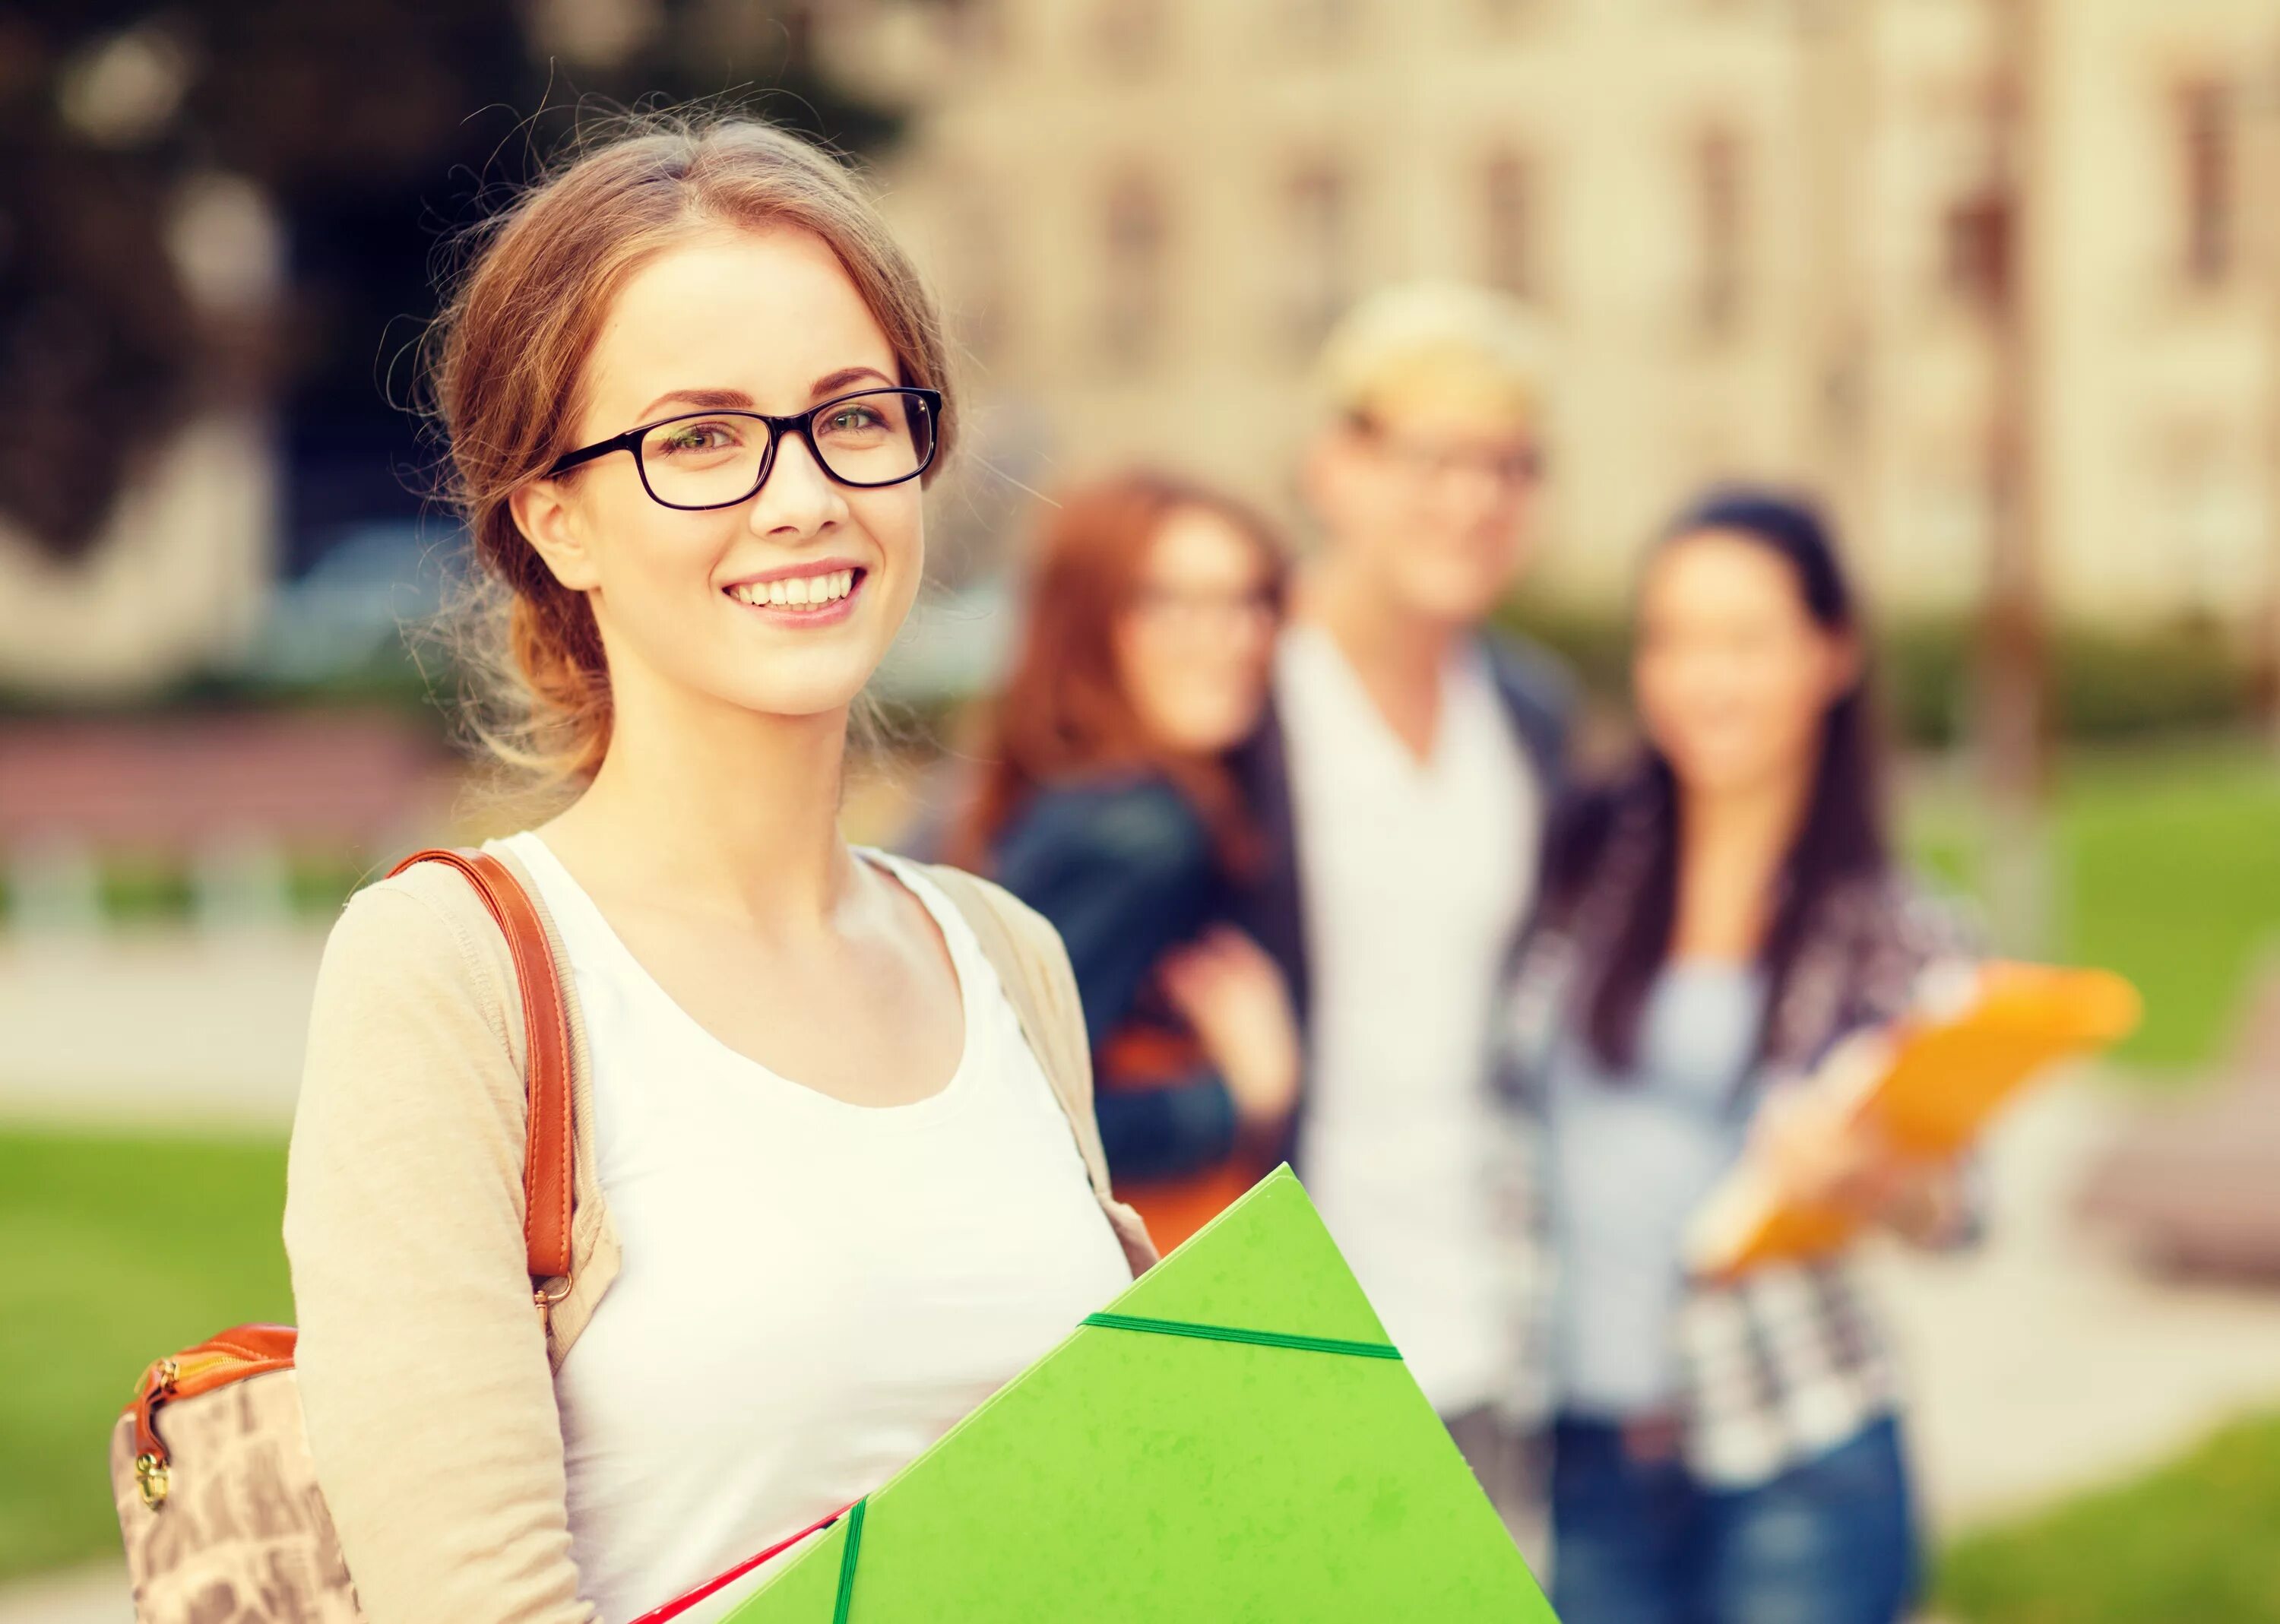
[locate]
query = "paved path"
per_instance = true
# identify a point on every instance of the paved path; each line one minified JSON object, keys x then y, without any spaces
{"x":2040,"y":1365}
{"x":158,"y":1028}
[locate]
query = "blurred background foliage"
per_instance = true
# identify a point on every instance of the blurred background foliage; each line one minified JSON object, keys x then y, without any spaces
{"x":357,"y":119}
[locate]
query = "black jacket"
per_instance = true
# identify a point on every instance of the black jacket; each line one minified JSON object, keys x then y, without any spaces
{"x":1125,"y":869}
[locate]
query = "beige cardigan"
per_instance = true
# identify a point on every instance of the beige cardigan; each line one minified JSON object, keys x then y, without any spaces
{"x":425,"y":1378}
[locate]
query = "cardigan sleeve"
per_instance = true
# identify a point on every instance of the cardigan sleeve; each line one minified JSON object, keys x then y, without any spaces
{"x":422,"y":1365}
{"x":1124,"y":876}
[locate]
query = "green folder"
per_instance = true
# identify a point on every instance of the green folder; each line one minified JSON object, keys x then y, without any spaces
{"x":1232,"y":1439}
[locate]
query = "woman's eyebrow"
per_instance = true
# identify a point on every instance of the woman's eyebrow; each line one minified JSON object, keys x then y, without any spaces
{"x":736,"y":400}
{"x":704,"y":400}
{"x":833,"y":384}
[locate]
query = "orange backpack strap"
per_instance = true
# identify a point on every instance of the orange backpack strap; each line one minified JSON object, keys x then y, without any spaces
{"x":546,"y":1153}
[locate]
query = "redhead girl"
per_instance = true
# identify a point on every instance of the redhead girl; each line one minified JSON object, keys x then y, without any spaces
{"x":692,"y":391}
{"x":1110,"y":802}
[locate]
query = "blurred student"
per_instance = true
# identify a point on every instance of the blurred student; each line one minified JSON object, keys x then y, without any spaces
{"x":1402,"y":779}
{"x":1108,"y":803}
{"x":1715,"y":922}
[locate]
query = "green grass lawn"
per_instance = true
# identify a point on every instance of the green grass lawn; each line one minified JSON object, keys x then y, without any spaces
{"x":2166,"y":866}
{"x":2196,"y":1542}
{"x":2174,"y":879}
{"x":116,"y":1251}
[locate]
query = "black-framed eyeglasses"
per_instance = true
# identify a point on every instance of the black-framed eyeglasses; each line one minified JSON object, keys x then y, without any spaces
{"x":706,"y":459}
{"x":1510,"y":467}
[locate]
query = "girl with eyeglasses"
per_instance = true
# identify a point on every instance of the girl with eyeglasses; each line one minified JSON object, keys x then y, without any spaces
{"x":691,"y":390}
{"x":1108,"y":802}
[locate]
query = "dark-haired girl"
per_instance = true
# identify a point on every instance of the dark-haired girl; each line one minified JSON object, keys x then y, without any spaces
{"x":1716,"y":923}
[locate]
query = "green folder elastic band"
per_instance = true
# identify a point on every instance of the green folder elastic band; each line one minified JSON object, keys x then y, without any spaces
{"x":847,"y":1554}
{"x":1230,"y":1333}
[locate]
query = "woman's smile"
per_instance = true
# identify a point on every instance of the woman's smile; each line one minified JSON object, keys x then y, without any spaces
{"x":822,"y":594}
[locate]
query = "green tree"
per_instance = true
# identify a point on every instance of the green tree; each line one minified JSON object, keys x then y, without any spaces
{"x":375,"y":127}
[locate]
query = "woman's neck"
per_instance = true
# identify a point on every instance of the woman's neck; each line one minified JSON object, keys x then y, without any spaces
{"x":1732,"y":844}
{"x":708,"y":804}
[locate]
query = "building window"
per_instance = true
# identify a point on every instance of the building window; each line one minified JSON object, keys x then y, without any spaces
{"x":1317,"y":27}
{"x":1500,"y":18}
{"x":1951,"y":533}
{"x":977,"y":29}
{"x":1131,"y":36}
{"x":1721,"y":224}
{"x":1973,"y":263}
{"x":2213,"y":511}
{"x":1136,"y":238}
{"x":1319,"y":206}
{"x":1511,"y":222}
{"x":2208,"y":159}
{"x":1975,"y":248}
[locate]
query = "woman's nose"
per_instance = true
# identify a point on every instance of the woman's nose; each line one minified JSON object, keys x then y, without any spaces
{"x":800,"y":497}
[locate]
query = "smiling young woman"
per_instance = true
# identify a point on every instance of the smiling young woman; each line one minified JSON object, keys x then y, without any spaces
{"x":692,"y":391}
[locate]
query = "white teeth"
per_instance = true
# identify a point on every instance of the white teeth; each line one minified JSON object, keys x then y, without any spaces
{"x":796,"y":591}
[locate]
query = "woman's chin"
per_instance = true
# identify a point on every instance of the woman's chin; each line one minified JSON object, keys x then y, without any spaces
{"x":820,"y":691}
{"x":1724,"y":774}
{"x":1207,"y":729}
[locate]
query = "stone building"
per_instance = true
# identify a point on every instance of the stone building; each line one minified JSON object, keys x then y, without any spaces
{"x":1765,"y":233}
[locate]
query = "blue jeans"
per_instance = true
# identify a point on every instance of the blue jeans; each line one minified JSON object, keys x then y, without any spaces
{"x":1830,"y":1541}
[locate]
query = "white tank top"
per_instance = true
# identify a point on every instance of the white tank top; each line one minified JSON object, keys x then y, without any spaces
{"x":811,"y":1291}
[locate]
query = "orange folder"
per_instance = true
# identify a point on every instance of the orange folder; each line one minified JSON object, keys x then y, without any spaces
{"x":1979,"y":1041}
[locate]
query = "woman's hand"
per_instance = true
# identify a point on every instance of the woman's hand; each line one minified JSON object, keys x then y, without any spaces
{"x":1824,"y":1150}
{"x":1233,"y":996}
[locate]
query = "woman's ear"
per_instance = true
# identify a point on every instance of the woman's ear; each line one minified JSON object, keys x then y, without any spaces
{"x":543,"y":513}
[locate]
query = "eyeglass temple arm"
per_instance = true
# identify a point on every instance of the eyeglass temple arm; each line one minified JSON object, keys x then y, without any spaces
{"x":600,"y":448}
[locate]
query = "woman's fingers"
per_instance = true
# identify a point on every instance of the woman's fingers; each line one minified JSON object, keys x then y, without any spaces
{"x":1181,"y":974}
{"x":1221,"y":950}
{"x":1823,"y":1149}
{"x":1815,"y":1147}
{"x":1854,"y":1066}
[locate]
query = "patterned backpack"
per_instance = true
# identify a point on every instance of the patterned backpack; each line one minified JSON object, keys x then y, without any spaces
{"x":217,"y":1499}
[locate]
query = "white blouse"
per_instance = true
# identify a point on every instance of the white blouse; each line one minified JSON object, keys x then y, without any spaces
{"x":811,"y":1291}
